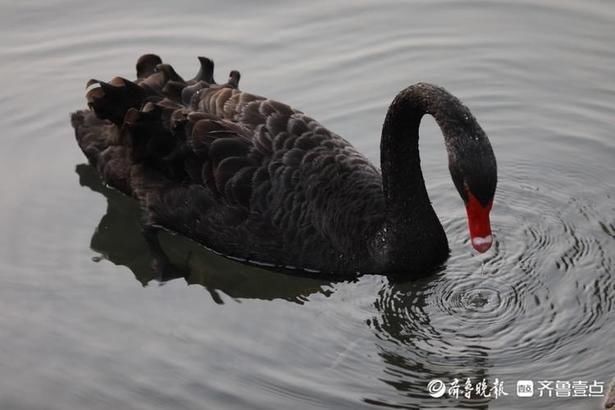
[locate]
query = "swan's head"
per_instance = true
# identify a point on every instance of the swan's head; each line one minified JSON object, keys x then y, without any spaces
{"x":473,"y":169}
{"x":470,"y":157}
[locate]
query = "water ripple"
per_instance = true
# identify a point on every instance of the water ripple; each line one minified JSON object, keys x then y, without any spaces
{"x":524,"y":299}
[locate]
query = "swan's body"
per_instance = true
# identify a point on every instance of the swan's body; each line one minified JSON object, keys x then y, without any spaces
{"x":257,"y":180}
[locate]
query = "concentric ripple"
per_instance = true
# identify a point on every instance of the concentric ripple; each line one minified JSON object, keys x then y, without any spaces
{"x":524,"y":309}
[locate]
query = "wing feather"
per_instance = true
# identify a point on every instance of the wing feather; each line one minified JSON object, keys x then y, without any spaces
{"x":247,"y":175}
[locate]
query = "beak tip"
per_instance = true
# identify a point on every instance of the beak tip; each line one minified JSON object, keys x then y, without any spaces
{"x":482,"y":244}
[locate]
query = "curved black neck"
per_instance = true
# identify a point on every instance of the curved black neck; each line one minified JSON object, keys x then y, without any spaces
{"x":411,"y":223}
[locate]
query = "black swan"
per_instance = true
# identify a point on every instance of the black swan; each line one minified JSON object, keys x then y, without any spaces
{"x":263,"y":183}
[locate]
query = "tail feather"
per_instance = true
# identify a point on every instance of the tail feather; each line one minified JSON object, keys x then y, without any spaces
{"x":136,"y":133}
{"x":93,"y":134}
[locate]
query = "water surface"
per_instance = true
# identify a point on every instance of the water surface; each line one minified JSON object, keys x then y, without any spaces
{"x":87,"y":323}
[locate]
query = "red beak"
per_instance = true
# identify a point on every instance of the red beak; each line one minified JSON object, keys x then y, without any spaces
{"x":478,"y":223}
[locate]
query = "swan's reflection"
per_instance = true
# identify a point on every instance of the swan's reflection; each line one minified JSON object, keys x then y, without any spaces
{"x":119,"y":239}
{"x":410,"y":346}
{"x":415,"y":351}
